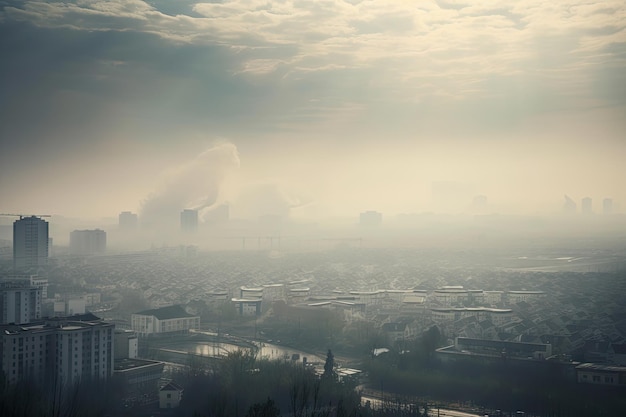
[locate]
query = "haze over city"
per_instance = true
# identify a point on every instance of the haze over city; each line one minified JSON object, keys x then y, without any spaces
{"x":309,"y":208}
{"x":311,"y":110}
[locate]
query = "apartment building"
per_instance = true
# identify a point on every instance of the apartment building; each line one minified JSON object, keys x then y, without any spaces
{"x":59,"y":350}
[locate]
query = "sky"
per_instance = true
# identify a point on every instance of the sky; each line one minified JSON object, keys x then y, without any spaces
{"x":309,"y":108}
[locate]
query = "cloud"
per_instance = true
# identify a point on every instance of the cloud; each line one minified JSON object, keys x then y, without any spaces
{"x":265,"y":61}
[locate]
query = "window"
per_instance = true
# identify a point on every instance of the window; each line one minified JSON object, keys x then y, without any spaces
{"x":169,"y":395}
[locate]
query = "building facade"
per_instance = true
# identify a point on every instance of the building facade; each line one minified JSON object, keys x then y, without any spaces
{"x":607,"y":206}
{"x":591,"y":373}
{"x":370,"y":219}
{"x":138,"y":377}
{"x":248,"y":306}
{"x":170,"y":395}
{"x":127,"y":221}
{"x":88,"y":242}
{"x":59,"y":351}
{"x":19,"y":302}
{"x":30,"y":243}
{"x":158,"y":321}
{"x":126,"y":344}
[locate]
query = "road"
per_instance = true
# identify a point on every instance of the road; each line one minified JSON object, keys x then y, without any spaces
{"x":376,"y":402}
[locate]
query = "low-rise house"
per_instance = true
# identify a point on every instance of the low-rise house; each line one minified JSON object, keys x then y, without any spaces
{"x":165,"y":320}
{"x":248,"y":306}
{"x":398,"y":331}
{"x":592,"y":373}
{"x":170,"y":395}
{"x":139,"y":378}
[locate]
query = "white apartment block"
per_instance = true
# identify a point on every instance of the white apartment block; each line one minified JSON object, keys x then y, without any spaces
{"x":247,"y":306}
{"x":19,"y":302}
{"x":515,"y":297}
{"x":299,"y":295}
{"x":448,"y":296}
{"x":369,"y":297}
{"x":493,"y":297}
{"x":251,"y":292}
{"x":171,"y":319}
{"x":497,"y":316}
{"x":87,"y":242}
{"x":273,"y":292}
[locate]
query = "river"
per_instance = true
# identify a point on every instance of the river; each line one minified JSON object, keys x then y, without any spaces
{"x":202,"y":346}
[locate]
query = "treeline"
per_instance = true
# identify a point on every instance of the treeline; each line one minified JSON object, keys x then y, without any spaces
{"x":88,"y":398}
{"x":241,"y":385}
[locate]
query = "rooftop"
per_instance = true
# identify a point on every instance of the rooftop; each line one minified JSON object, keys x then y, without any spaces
{"x":125,"y":364}
{"x":166,"y":313}
{"x":172,"y":386}
{"x":598,"y":367}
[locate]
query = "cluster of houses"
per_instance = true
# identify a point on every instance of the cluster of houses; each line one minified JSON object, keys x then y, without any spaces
{"x":576,"y":315}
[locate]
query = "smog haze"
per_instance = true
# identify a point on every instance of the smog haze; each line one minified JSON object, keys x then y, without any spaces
{"x":310,"y":110}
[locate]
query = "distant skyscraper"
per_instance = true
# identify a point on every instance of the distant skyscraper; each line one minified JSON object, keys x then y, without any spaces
{"x":87,"y":242}
{"x":569,"y":206}
{"x":607,"y":206}
{"x":370,"y":218}
{"x":30,"y":242}
{"x":586,"y":205}
{"x":189,"y":220}
{"x":127,"y":221}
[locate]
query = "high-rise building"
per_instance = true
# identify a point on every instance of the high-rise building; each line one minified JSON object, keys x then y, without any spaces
{"x":59,"y":351}
{"x":370,"y":218}
{"x":20,"y":302}
{"x":30,"y":242}
{"x":127,"y":221}
{"x":189,"y":220}
{"x":88,"y":242}
{"x":586,"y":205}
{"x":607,"y":206}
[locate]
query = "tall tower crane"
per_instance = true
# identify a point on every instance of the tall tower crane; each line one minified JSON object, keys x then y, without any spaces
{"x":21,"y":216}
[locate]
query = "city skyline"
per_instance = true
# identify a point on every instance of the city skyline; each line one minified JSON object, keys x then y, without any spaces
{"x":307,"y":109}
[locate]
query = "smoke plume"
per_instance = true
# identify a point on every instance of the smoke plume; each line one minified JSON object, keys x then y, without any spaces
{"x":193,"y":185}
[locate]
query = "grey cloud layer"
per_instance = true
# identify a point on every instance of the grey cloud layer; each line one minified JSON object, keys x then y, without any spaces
{"x":74,"y":75}
{"x":447,"y":49}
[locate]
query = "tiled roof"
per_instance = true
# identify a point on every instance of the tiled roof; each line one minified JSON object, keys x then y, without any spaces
{"x":166,"y":313}
{"x":172,"y":386}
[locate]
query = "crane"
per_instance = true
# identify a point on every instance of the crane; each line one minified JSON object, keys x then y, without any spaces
{"x":21,"y":216}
